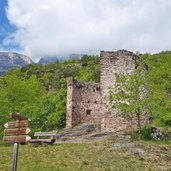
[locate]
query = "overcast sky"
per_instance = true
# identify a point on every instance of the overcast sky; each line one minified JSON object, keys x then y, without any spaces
{"x":50,"y":27}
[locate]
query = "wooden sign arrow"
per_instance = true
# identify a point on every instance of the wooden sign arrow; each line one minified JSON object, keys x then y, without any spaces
{"x":17,"y":124}
{"x":13,"y":139}
{"x":16,"y":131}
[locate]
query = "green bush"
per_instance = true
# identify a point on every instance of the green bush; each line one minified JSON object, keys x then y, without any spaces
{"x":146,"y":133}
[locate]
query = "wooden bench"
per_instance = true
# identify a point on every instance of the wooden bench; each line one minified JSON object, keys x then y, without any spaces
{"x":50,"y":138}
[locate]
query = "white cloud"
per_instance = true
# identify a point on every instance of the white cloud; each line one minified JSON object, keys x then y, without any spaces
{"x":52,"y":27}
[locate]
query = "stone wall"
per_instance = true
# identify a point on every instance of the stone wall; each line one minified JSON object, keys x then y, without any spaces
{"x":112,"y":63}
{"x":83,"y":103}
{"x":89,"y":102}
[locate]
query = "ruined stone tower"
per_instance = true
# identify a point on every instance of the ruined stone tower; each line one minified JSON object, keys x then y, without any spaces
{"x":112,"y":63}
{"x":89,"y":102}
{"x":83,"y":103}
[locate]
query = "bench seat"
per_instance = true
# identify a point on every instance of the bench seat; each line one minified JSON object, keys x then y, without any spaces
{"x":50,"y":140}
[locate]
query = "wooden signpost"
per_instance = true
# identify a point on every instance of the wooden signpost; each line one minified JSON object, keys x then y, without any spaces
{"x":16,"y":132}
{"x":17,"y":124}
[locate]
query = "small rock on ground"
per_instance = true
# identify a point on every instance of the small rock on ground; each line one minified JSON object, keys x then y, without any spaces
{"x":137,"y":151}
{"x":130,"y":147}
{"x":123,"y":145}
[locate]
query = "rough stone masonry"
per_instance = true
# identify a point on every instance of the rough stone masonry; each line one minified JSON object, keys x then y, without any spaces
{"x":89,"y":102}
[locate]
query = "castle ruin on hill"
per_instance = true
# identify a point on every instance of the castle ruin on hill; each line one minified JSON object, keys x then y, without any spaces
{"x":89,"y":102}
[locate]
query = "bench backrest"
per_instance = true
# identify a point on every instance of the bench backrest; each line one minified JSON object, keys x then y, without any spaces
{"x":45,"y":134}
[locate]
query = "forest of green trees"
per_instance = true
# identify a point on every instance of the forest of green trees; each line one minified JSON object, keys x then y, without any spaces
{"x":39,"y":91}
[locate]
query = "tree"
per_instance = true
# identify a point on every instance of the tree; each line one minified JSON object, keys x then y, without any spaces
{"x":159,"y":76}
{"x":129,"y":94}
{"x":20,"y":95}
{"x":90,"y":70}
{"x":57,"y":119}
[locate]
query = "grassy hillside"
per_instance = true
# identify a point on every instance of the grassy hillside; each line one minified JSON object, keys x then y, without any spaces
{"x":159,"y":76}
{"x":39,"y":91}
{"x":97,"y":156}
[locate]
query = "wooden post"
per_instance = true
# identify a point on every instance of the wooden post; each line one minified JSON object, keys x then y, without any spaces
{"x":15,"y":156}
{"x":16,"y":132}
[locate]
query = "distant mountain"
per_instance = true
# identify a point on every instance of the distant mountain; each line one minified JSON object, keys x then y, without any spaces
{"x":61,"y":58}
{"x":46,"y":60}
{"x":12,"y":60}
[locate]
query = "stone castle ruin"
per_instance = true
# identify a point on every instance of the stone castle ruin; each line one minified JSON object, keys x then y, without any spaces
{"x":89,"y":102}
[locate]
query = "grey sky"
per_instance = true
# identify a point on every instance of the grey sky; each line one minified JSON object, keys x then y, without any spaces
{"x":52,"y":27}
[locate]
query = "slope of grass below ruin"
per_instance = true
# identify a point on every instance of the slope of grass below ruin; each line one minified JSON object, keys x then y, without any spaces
{"x":89,"y":156}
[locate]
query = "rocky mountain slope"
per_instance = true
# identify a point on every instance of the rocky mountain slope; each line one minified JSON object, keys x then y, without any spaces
{"x":12,"y":60}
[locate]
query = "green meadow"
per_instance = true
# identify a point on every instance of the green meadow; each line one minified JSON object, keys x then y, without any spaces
{"x":90,"y":156}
